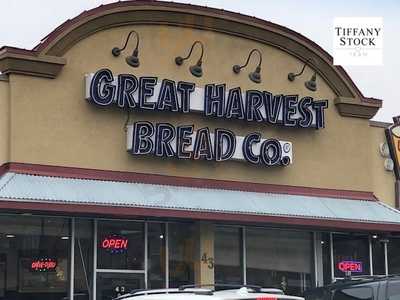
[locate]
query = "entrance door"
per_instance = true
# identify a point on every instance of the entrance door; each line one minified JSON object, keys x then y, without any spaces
{"x":120,"y":258}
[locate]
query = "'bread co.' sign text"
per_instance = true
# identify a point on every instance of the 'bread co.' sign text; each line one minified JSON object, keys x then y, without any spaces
{"x":214,"y":100}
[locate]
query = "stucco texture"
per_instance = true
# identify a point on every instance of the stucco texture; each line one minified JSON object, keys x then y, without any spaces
{"x":383,"y":180}
{"x":52,"y":123}
{"x":4,"y":120}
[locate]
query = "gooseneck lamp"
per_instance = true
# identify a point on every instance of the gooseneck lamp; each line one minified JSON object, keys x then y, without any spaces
{"x":196,"y":69}
{"x":254,"y":76}
{"x":132,"y":60}
{"x":310,"y":84}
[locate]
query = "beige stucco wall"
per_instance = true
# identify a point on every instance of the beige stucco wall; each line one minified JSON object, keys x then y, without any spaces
{"x":383,"y":180}
{"x":53,"y":124}
{"x":4,"y":119}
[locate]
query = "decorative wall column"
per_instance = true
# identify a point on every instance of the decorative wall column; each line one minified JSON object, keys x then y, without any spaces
{"x":204,"y":266}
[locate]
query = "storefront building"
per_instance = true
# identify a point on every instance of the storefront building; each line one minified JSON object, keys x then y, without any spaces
{"x":154,"y":144}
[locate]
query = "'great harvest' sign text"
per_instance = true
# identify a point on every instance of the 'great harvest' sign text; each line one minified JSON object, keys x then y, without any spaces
{"x":214,"y":100}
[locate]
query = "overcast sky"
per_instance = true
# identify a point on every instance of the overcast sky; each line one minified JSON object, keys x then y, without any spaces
{"x":24,"y":23}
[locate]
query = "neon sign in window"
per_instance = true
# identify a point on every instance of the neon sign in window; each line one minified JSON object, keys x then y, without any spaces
{"x":350,"y":266}
{"x":43,"y":264}
{"x":114,"y":244}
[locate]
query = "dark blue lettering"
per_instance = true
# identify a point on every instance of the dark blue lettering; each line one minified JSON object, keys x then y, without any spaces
{"x":167,"y":98}
{"x":202,"y":146}
{"x":271,"y":152}
{"x":146,"y":90}
{"x":184,"y":140}
{"x":214,"y":100}
{"x":165,"y":133}
{"x":234,"y":106}
{"x":185,"y":89}
{"x":224,"y":137}
{"x":319,"y":107}
{"x":247,"y":147}
{"x":304,"y":109}
{"x":102,"y":91}
{"x":289,"y":110}
{"x":142,"y":142}
{"x":127,"y":85}
{"x":254,"y":101}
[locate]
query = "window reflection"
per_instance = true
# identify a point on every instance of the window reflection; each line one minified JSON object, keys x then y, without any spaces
{"x":279,"y":258}
{"x":120,"y":245}
{"x":378,"y":257}
{"x":83,"y":263}
{"x":156,"y":255}
{"x":326,"y":258}
{"x":393,"y":255}
{"x":228,"y":255}
{"x":112,"y":285}
{"x":34,"y":259}
{"x":353,"y":250}
{"x":182,"y":240}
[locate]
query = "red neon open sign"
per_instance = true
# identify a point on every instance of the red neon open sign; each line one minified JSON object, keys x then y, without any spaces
{"x":43,"y":264}
{"x":350,"y":266}
{"x":115,"y":244}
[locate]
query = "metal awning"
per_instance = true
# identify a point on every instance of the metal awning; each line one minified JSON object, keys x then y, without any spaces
{"x":58,"y":190}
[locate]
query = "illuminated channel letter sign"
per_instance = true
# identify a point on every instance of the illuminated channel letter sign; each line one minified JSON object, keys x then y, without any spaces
{"x":114,"y":244}
{"x":127,"y":91}
{"x":184,"y":142}
{"x":350,"y":266}
{"x":43,"y":264}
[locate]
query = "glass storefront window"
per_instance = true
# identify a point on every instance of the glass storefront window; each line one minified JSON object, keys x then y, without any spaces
{"x":279,"y":258}
{"x":34,"y":257}
{"x":120,"y":245}
{"x":326,"y":258}
{"x":351,"y":253}
{"x":156,"y":255}
{"x":378,"y":257}
{"x":83,"y":261}
{"x":228,"y":255}
{"x":112,"y":285}
{"x":393,"y":250}
{"x":182,"y":240}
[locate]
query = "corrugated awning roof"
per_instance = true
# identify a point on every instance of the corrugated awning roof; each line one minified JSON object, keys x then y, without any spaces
{"x":58,"y":190}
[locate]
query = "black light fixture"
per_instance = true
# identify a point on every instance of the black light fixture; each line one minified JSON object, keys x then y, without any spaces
{"x":132,"y":60}
{"x":254,"y":76}
{"x":310,"y":84}
{"x":196,"y":69}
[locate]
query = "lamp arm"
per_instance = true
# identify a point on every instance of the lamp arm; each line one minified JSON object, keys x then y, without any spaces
{"x":191,"y":50}
{"x":248,"y":58}
{"x":127,"y":40}
{"x":304,"y":66}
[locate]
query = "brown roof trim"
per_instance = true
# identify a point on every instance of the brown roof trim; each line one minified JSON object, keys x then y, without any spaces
{"x":4,"y":169}
{"x":379,"y":124}
{"x":15,"y":50}
{"x":21,"y":61}
{"x":350,"y":107}
{"x":187,"y":15}
{"x":137,"y":212}
{"x":81,"y":173}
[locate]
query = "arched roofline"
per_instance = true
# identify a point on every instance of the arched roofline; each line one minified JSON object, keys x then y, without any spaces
{"x":46,"y":58}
